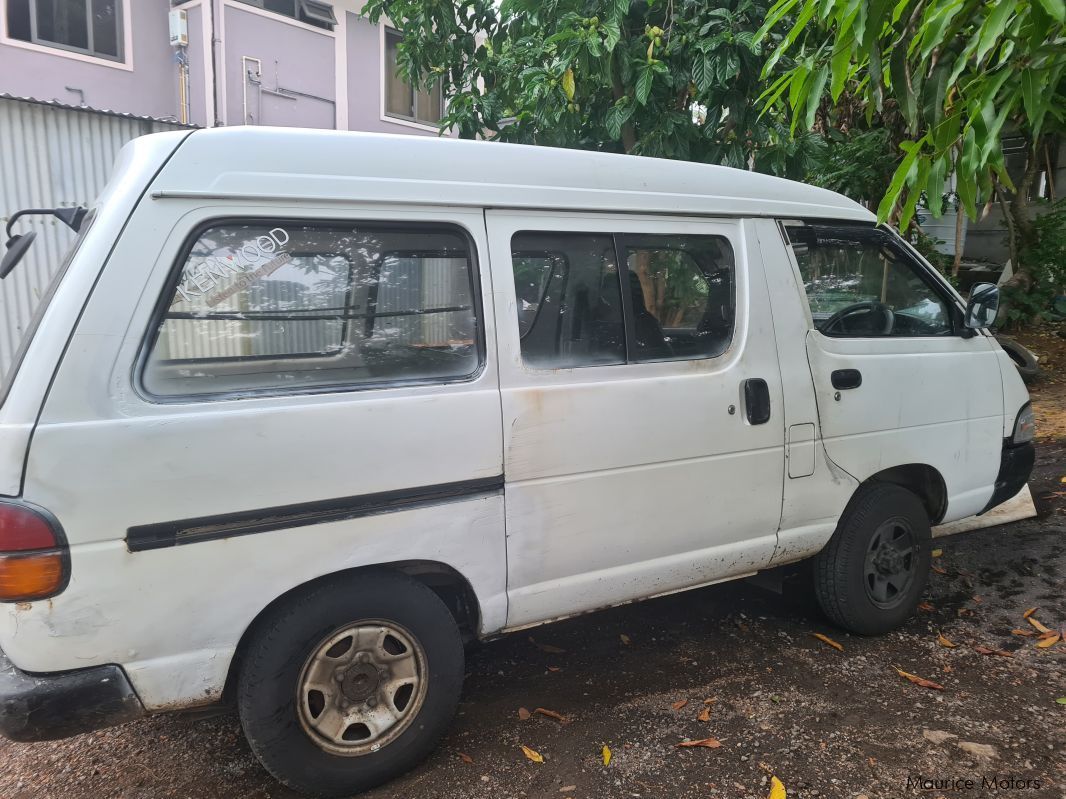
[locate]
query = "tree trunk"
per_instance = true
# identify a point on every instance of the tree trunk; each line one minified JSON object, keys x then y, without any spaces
{"x":959,"y":219}
{"x":1018,"y":216}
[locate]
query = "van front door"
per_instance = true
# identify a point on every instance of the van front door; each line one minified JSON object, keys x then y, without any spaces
{"x":642,"y":415}
{"x":897,"y":378}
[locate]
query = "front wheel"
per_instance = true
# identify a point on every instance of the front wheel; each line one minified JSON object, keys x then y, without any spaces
{"x":350,"y":683}
{"x":872,"y":573}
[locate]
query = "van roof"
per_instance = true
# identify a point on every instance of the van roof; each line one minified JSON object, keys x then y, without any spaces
{"x":263,"y":163}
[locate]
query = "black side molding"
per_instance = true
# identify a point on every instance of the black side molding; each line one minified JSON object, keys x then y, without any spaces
{"x":208,"y":528}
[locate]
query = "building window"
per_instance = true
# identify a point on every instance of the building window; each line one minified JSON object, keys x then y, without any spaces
{"x":290,"y":306}
{"x":93,"y":27}
{"x":312,"y":12}
{"x":401,"y":99}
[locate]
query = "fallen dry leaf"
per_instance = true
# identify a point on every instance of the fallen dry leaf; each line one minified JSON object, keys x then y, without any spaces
{"x":552,"y":715}
{"x":977,"y":599}
{"x":1036,"y":623}
{"x":1050,"y":641}
{"x":532,"y":754}
{"x":944,"y":642}
{"x":705,"y":714}
{"x":523,"y":714}
{"x":936,"y":553}
{"x":710,"y":701}
{"x":680,"y":703}
{"x":1029,"y":612}
{"x":938,"y":569}
{"x":554,"y":668}
{"x":465,"y":757}
{"x":553,"y":650}
{"x":568,"y":789}
{"x":825,"y":639}
{"x":707,"y":743}
{"x":965,"y":612}
{"x":777,"y":789}
{"x":926,"y":607}
{"x":625,"y":639}
{"x":984,"y":650}
{"x":1027,"y":633}
{"x":914,"y":678}
{"x":606,"y":753}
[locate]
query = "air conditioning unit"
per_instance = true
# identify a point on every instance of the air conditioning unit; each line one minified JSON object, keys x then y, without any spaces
{"x":179,"y":28}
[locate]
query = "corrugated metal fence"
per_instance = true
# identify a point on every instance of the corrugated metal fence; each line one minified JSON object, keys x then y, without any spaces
{"x":51,"y":156}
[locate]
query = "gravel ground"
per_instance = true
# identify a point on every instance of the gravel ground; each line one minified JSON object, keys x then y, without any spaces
{"x":827,"y":723}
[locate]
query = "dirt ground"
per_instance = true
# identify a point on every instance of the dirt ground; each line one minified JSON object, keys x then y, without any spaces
{"x":827,"y":723}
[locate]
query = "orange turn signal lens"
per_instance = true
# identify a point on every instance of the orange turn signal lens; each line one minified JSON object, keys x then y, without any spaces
{"x":32,"y":576}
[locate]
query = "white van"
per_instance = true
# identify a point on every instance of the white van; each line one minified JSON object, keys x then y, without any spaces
{"x":304,"y":410}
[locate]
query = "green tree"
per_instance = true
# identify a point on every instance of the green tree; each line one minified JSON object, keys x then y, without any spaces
{"x":666,"y":78}
{"x":948,"y":77}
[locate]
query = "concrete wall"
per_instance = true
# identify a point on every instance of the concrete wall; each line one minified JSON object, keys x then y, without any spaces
{"x":146,"y":85}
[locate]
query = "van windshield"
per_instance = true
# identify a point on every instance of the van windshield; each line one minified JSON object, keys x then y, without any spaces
{"x":21,"y":337}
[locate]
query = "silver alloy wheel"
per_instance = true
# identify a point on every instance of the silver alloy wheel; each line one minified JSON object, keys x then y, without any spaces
{"x":361,"y":687}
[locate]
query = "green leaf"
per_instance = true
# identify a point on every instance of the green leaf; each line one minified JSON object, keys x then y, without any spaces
{"x":814,"y":95}
{"x":841,"y":66}
{"x":932,"y":31}
{"x":617,"y":115}
{"x":895,"y":188}
{"x":643,"y":87}
{"x":1055,"y":8}
{"x":921,"y":178}
{"x":702,"y":71}
{"x":902,"y":89}
{"x":993,"y":26}
{"x":934,"y":187}
{"x":1061,"y":700}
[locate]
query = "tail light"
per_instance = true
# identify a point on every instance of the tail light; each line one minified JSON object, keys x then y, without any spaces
{"x":34,"y":562}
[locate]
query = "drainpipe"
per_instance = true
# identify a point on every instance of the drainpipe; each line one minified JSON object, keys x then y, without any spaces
{"x":215,"y":63}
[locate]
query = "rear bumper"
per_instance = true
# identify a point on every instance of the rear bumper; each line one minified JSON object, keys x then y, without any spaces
{"x":1015,"y":466}
{"x":41,"y":707}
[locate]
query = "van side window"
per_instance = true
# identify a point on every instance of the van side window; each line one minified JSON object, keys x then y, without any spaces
{"x":569,"y":300}
{"x":285,"y":306}
{"x":675,"y":294}
{"x":859,"y":284}
{"x":682,"y":296}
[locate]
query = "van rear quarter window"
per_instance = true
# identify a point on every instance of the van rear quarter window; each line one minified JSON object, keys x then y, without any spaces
{"x":286,"y":305}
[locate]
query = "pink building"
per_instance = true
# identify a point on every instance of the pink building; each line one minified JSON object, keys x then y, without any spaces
{"x":303,"y":63}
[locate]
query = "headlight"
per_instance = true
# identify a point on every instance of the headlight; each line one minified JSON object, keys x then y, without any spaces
{"x":1024,"y":425}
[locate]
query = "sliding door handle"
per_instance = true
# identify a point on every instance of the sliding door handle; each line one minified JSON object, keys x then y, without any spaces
{"x":756,"y":401}
{"x":846,"y":378}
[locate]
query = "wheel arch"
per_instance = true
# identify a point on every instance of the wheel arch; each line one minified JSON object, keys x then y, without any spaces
{"x":454,"y":589}
{"x":923,"y":480}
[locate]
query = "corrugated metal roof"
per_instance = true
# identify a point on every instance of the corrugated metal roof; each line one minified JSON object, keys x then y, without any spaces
{"x":90,"y":109}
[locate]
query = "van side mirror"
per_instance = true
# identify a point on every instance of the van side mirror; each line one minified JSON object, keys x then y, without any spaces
{"x":983,"y":306}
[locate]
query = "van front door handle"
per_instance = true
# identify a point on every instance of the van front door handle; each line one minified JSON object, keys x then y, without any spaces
{"x":756,"y":401}
{"x":846,"y":378}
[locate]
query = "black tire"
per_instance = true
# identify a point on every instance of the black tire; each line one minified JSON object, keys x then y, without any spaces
{"x":883,"y":523}
{"x":283,"y":641}
{"x":1023,"y":358}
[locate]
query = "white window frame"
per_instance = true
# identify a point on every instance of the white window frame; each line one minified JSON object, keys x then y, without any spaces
{"x":124,"y":62}
{"x":393,"y":119}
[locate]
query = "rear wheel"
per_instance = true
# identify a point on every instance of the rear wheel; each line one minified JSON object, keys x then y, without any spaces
{"x":350,"y":683}
{"x":871,"y":576}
